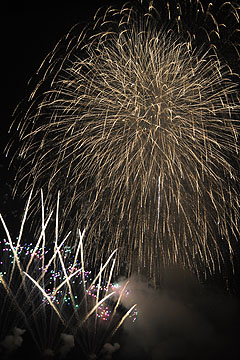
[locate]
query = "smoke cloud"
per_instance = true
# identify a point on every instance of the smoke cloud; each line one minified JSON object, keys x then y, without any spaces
{"x":182,"y":320}
{"x":108,"y":350}
{"x":13,"y":341}
{"x":67,"y":344}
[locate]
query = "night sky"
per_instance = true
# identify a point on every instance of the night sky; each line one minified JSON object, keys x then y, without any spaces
{"x":27,"y":36}
{"x":29,"y":33}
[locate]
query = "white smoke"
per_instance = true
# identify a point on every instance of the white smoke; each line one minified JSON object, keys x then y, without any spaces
{"x":108,"y":350}
{"x":13,"y":341}
{"x":67,"y":344}
{"x":181,"y":320}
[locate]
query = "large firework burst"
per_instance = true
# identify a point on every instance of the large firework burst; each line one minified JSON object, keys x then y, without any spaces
{"x":137,"y":119}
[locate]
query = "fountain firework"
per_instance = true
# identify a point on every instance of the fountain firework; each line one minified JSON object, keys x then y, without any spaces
{"x":49,"y":292}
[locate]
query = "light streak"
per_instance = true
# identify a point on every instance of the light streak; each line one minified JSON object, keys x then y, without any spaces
{"x":140,"y":129}
{"x":73,"y":302}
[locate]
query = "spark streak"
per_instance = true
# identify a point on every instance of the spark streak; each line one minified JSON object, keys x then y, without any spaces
{"x":140,"y":129}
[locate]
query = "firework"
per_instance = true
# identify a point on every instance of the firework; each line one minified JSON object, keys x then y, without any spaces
{"x":50,"y":293}
{"x":139,"y":127}
{"x":27,"y":308}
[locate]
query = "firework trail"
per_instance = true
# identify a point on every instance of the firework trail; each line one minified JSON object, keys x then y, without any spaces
{"x":136,"y":119}
{"x":21,"y":305}
{"x":48,"y":291}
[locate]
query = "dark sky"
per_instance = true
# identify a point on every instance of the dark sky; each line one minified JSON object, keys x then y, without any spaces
{"x":28,"y":34}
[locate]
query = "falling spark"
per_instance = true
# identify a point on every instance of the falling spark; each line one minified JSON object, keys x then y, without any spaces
{"x":140,"y":129}
{"x":64,"y":286}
